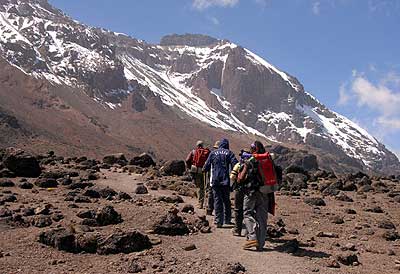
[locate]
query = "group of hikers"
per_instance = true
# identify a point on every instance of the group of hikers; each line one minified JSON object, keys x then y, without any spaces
{"x":253,"y":179}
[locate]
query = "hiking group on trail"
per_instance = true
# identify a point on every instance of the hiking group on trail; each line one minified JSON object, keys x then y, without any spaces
{"x":253,"y":179}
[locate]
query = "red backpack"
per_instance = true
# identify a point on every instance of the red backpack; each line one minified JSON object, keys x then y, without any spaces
{"x":200,"y":156}
{"x":266,"y":168}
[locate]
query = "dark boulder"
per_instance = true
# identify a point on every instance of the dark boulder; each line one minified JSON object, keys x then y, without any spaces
{"x":5,"y":212}
{"x":349,"y":186}
{"x":315,"y":201}
{"x":118,"y":158}
{"x":343,"y":197}
{"x":143,"y":160}
{"x":41,"y":221}
{"x":386,"y":224}
{"x":6,"y":183}
{"x":141,"y":189}
{"x":173,"y":199}
{"x":92,"y":193}
{"x":294,"y":182}
{"x":59,"y":238}
{"x":347,"y":259}
{"x":123,"y":196}
{"x":46,"y":182}
{"x":79,"y":185}
{"x":171,"y":224}
{"x":235,"y":268}
{"x":106,"y":192}
{"x":87,"y":242}
{"x":6,"y":173}
{"x":25,"y":185}
{"x":174,"y":167}
{"x":391,"y":235}
{"x":107,"y":216}
{"x":21,"y":163}
{"x":124,"y":242}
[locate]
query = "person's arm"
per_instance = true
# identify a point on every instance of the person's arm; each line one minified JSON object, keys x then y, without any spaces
{"x":207,"y":165}
{"x":232,"y":159}
{"x":189,"y":160}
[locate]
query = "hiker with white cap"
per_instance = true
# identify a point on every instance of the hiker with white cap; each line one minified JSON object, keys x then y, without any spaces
{"x":195,"y":162}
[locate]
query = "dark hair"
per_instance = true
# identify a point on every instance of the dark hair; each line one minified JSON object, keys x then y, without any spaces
{"x":259,"y":147}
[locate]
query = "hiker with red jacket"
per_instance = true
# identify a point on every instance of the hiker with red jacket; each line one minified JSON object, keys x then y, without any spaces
{"x":195,"y":162}
{"x":220,"y":162}
{"x":259,"y":180}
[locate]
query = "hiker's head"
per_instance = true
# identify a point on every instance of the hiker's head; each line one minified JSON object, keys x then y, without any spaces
{"x":216,"y":145}
{"x":257,"y":147}
{"x":224,"y":143}
{"x":244,"y":155}
{"x":199,"y":143}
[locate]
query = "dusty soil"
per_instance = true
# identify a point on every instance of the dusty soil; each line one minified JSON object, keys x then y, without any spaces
{"x":22,"y":253}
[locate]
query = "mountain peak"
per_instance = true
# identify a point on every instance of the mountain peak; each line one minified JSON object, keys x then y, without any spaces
{"x":194,"y":40}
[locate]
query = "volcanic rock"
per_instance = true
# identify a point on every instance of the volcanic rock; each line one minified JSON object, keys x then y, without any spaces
{"x":171,"y":224}
{"x":59,"y":238}
{"x":21,"y":163}
{"x":118,"y":158}
{"x":123,"y":242}
{"x":46,"y":182}
{"x":174,"y":167}
{"x":107,"y":216}
{"x":315,"y":201}
{"x":25,"y":185}
{"x":141,"y":189}
{"x":6,"y":183}
{"x":144,"y":160}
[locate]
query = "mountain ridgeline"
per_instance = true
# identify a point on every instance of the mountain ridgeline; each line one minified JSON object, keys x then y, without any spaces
{"x":139,"y":96}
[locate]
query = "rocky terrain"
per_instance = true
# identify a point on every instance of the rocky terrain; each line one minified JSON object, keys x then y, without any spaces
{"x":119,"y":215}
{"x":87,"y":90}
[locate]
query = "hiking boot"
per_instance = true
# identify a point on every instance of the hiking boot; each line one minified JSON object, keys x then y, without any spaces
{"x":219,"y":225}
{"x":250,"y":243}
{"x":236,"y":233}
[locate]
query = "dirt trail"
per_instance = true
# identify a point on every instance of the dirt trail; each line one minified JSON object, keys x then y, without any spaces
{"x":222,"y":245}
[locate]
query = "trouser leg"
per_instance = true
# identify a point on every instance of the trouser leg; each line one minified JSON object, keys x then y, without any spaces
{"x":226,"y":192}
{"x":262,"y":218}
{"x":200,"y":189}
{"x":239,"y":197}
{"x":218,"y":205}
{"x":210,"y":207}
{"x":249,"y":216}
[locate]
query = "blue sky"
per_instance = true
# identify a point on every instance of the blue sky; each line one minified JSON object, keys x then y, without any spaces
{"x":345,"y":52}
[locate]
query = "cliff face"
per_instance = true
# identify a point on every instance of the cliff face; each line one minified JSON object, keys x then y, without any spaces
{"x":197,"y":78}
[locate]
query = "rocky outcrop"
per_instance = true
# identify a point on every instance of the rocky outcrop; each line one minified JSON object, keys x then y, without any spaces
{"x":194,"y":40}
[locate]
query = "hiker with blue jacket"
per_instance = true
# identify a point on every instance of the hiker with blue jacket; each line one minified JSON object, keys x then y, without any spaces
{"x":220,"y":162}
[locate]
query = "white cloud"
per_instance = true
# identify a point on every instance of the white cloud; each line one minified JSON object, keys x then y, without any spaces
{"x":263,"y":3}
{"x":344,"y":97}
{"x":214,"y":20}
{"x":316,"y":8}
{"x":377,"y":97}
{"x":204,"y":4}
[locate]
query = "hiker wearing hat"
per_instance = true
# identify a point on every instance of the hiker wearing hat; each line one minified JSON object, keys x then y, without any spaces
{"x":195,"y":162}
{"x":239,"y":193}
{"x":259,"y":180}
{"x":220,"y":162}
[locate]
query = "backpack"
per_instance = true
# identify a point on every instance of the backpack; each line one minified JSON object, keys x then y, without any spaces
{"x":200,"y":157}
{"x":249,"y":176}
{"x":267,"y":169}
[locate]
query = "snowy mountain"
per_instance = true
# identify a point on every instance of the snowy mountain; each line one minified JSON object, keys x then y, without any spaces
{"x":213,"y":81}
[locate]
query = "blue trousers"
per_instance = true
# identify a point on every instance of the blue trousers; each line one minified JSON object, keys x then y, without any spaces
{"x":222,"y":204}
